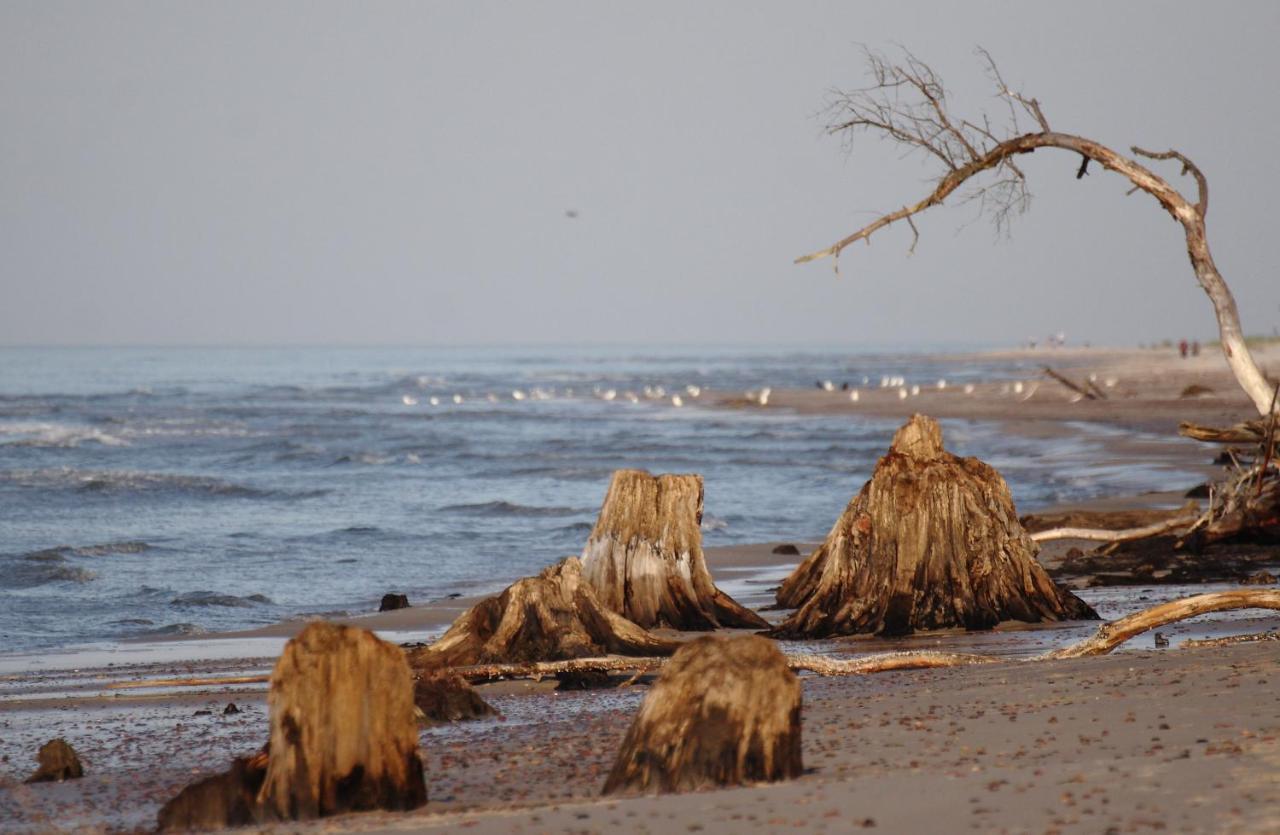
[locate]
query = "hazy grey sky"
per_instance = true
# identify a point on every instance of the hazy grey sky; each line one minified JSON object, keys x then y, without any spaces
{"x":400,"y":172}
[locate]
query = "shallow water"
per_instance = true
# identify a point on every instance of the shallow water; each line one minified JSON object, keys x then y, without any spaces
{"x":178,"y":491}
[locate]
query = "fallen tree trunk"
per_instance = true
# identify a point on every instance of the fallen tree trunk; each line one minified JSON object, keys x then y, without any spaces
{"x":931,"y":542}
{"x":743,"y":728}
{"x":551,"y":617}
{"x":644,"y":556}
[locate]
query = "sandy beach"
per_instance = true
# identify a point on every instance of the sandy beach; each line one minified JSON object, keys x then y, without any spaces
{"x":1178,"y":739}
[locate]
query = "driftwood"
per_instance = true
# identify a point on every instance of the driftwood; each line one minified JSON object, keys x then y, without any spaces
{"x":57,"y":761}
{"x":1113,"y":634}
{"x":343,"y":734}
{"x":444,"y":696}
{"x":723,"y":713}
{"x":1107,"y":638}
{"x":1248,"y":432}
{"x":1126,"y":535}
{"x":931,"y":542}
{"x":1086,"y":390}
{"x":644,"y":556}
{"x":551,"y":617}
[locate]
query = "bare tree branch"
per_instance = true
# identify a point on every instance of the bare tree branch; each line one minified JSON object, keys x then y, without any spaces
{"x":907,"y":104}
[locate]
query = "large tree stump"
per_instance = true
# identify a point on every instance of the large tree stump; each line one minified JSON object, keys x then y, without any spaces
{"x":644,"y":556}
{"x":932,"y":541}
{"x":724,"y":712}
{"x":343,"y":732}
{"x":552,"y":617}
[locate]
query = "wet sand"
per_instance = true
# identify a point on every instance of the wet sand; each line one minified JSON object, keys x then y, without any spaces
{"x":1178,"y":739}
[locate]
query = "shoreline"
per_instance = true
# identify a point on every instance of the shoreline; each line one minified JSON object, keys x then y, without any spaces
{"x":1010,"y":745}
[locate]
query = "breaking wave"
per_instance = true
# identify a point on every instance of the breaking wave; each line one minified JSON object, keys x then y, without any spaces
{"x":211,"y":598}
{"x":503,"y":508}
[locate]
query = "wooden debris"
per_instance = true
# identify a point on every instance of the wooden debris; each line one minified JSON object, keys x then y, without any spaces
{"x":343,"y":734}
{"x":723,"y":713}
{"x":1086,"y":391}
{"x":1103,"y":535}
{"x":1113,"y":634}
{"x":551,"y":617}
{"x":57,"y":761}
{"x":223,"y":800}
{"x":931,"y":542}
{"x":444,"y":696}
{"x":644,"y":556}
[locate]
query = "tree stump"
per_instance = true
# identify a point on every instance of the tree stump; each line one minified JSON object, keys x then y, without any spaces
{"x":217,"y":802}
{"x":343,"y":732}
{"x":444,"y":696}
{"x":723,"y":713}
{"x":57,"y":762}
{"x":931,"y":542}
{"x":644,"y":556}
{"x":552,"y":617}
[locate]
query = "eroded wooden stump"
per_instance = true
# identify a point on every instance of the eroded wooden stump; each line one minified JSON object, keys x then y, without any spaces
{"x":931,"y":542}
{"x":724,"y":712}
{"x":644,"y":556}
{"x":444,"y":696}
{"x":343,"y":732}
{"x":217,"y":802}
{"x":552,"y":617}
{"x":57,"y":761}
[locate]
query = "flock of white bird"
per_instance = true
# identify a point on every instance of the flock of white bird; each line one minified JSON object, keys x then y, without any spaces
{"x":898,"y":384}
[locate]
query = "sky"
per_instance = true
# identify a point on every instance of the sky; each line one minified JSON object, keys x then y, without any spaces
{"x":403,"y":173}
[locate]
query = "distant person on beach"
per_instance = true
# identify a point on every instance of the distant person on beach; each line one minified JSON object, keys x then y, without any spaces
{"x":1182,"y":348}
{"x":1195,"y":348}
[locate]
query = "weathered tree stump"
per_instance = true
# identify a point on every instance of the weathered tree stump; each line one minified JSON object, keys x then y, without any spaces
{"x":931,"y":542}
{"x":444,"y":696}
{"x":644,"y":556}
{"x":217,"y":802}
{"x":392,"y":601}
{"x":343,"y":733}
{"x":723,"y":712}
{"x":552,"y":617}
{"x":57,"y":762}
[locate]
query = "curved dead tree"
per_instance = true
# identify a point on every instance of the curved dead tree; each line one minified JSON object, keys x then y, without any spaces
{"x":932,"y":541}
{"x":907,"y":104}
{"x":644,"y":556}
{"x":723,"y":713}
{"x":551,"y":617}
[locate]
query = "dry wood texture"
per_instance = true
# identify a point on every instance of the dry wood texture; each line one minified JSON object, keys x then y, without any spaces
{"x":931,"y":542}
{"x":444,"y":696}
{"x":724,"y":712}
{"x":551,"y":617}
{"x":343,"y":733}
{"x":644,"y":556}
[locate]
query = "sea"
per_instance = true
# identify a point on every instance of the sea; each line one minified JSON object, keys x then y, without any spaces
{"x":167,"y":491}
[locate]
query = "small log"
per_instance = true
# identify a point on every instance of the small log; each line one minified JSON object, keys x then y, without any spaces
{"x":343,"y":733}
{"x":723,"y":713}
{"x":1103,"y":535}
{"x":57,"y":761}
{"x":644,"y":556}
{"x":1077,"y":388}
{"x":551,"y":617}
{"x":931,"y":542}
{"x":1248,"y":432}
{"x":444,"y":696}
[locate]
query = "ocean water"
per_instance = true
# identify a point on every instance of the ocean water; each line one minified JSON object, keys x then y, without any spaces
{"x":148,"y":491}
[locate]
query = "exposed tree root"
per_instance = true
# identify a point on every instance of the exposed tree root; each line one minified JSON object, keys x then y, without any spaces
{"x":1103,"y":535}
